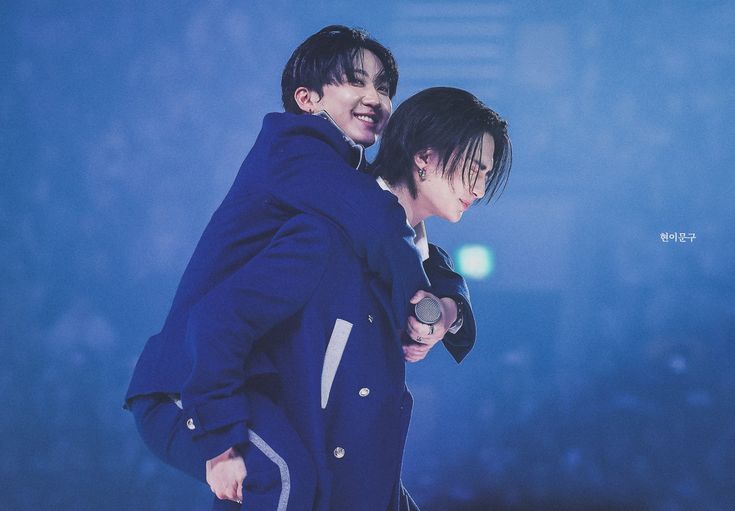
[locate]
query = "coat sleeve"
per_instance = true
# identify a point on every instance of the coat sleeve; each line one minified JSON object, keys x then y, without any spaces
{"x":225,"y":323}
{"x":446,"y":283}
{"x":315,"y":182}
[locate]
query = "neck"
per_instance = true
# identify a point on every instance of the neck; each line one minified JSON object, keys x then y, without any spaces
{"x":414,"y":212}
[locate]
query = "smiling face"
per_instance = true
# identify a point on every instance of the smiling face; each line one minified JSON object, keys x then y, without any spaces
{"x":448,"y":196}
{"x":360,"y":105}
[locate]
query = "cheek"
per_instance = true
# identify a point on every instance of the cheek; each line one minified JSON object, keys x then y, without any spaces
{"x":446,"y":200}
{"x":343,"y":99}
{"x":458,"y":187}
{"x":387,"y":105}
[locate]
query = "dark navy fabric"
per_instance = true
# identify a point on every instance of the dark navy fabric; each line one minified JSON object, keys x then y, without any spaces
{"x":356,"y":435}
{"x":369,"y":427}
{"x":162,"y":425}
{"x":445,"y":282}
{"x":242,"y":282}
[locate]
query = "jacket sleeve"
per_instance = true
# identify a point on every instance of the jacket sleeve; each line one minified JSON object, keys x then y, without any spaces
{"x":225,"y":323}
{"x":317,"y":181}
{"x":446,"y":283}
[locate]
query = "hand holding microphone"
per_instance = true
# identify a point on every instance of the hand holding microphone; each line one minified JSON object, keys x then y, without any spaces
{"x":426,"y":327}
{"x":429,"y":311}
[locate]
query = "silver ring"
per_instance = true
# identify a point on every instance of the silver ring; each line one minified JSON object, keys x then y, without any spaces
{"x":238,"y":501}
{"x":419,"y":340}
{"x":431,"y":329}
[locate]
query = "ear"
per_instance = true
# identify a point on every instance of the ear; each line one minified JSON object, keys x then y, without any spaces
{"x":307,"y":99}
{"x":425,"y":157}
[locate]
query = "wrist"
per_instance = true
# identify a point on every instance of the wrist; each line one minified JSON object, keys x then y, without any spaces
{"x":459,"y":321}
{"x":229,"y":453}
{"x":450,"y":312}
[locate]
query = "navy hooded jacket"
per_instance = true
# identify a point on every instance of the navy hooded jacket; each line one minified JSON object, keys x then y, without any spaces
{"x":298,"y":164}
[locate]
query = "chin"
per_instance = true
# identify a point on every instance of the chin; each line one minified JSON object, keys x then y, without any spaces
{"x":366,"y":141}
{"x":364,"y":138}
{"x":456,"y":217}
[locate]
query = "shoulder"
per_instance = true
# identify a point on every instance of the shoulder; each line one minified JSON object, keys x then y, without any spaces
{"x":313,"y":231}
{"x":305,"y":136}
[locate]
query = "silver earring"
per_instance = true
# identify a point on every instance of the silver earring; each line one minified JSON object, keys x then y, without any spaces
{"x":422,"y":174}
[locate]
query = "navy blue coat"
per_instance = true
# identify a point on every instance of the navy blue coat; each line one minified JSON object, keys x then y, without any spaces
{"x":340,"y":365}
{"x":228,"y":299}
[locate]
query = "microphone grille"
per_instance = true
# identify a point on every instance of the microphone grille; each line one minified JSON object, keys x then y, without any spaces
{"x":428,"y":310}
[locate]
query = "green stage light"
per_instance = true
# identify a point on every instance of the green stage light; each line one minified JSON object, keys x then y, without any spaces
{"x":475,"y":261}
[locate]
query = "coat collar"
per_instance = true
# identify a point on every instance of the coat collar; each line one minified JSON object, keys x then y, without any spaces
{"x":321,"y":126}
{"x":357,"y":149}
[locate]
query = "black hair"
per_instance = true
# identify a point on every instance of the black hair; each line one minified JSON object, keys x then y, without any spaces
{"x":330,"y":57}
{"x":451,"y":122}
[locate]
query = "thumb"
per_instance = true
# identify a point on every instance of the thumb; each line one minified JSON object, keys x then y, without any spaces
{"x":418,"y":296}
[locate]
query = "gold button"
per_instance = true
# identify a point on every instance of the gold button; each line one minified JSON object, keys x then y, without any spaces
{"x":370,"y":318}
{"x":190,"y":424}
{"x":364,"y":392}
{"x":339,"y":453}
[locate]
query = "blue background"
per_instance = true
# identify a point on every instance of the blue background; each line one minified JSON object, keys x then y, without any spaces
{"x":603,"y":372}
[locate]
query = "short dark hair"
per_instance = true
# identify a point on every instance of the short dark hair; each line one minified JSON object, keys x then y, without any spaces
{"x":329,"y":57}
{"x":452,"y":122}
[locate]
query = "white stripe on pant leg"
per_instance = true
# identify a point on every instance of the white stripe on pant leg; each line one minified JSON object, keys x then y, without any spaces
{"x":280,"y":463}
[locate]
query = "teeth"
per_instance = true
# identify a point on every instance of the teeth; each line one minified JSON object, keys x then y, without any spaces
{"x":365,"y":118}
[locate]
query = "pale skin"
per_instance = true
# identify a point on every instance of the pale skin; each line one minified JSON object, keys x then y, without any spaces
{"x":361,"y":109}
{"x":226,"y":472}
{"x":225,"y":475}
{"x":447,"y":198}
{"x":437,"y":195}
{"x":417,"y":330}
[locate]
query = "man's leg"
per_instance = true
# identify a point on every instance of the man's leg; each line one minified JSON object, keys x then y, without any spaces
{"x":280,"y":470}
{"x":406,"y":502}
{"x":280,"y":473}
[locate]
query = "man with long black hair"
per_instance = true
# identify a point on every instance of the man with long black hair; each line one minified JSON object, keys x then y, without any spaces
{"x":208,"y":392}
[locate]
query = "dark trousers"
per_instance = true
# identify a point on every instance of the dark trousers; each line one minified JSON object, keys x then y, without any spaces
{"x":280,"y":474}
{"x":405,"y":502}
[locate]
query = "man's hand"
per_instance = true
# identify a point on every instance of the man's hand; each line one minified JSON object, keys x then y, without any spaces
{"x":225,"y":474}
{"x":426,"y":336}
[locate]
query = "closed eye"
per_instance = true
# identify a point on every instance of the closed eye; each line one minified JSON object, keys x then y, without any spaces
{"x":478,"y":167}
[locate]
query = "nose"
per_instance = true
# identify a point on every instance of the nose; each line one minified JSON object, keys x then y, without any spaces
{"x":371,"y":97}
{"x":478,"y":188}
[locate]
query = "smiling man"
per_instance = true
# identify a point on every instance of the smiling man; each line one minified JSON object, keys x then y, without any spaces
{"x":207,"y":392}
{"x":359,"y":106}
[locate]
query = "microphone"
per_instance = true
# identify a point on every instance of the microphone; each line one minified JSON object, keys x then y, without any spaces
{"x":428,"y":310}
